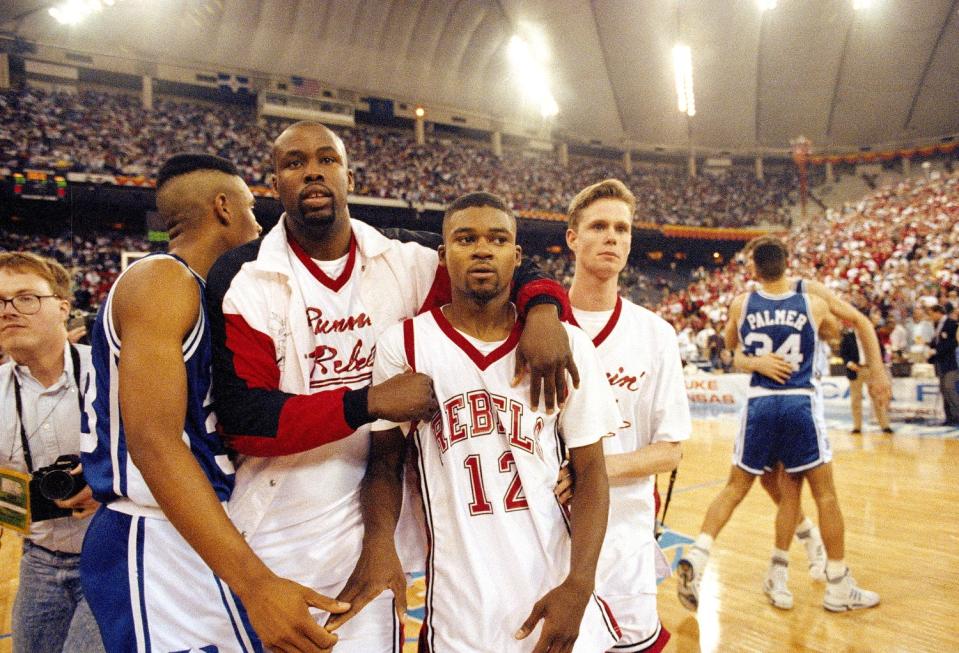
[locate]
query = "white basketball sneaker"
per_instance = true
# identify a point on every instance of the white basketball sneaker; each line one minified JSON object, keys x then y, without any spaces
{"x":843,"y":594}
{"x":690,"y":573}
{"x":775,"y":586}
{"x":816,"y":553}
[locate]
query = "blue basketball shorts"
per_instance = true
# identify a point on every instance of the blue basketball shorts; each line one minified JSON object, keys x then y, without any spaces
{"x":786,"y":428}
{"x":151,"y":592}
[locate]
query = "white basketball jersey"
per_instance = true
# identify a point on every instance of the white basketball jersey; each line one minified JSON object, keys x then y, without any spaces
{"x":639,"y":352}
{"x":487,"y":464}
{"x":325,"y":481}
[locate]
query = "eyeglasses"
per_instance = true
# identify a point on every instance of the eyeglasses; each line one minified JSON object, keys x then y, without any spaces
{"x":26,"y":304}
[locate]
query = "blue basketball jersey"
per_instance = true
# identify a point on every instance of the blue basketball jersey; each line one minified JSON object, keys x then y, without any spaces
{"x":781,"y":324}
{"x":107,"y":465}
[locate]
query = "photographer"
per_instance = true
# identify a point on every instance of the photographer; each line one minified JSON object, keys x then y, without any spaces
{"x":41,"y":390}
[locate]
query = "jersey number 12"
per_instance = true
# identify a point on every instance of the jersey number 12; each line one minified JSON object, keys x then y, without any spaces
{"x":515,"y":499}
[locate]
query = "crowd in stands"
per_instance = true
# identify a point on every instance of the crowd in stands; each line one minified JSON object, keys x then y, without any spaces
{"x":94,"y":261}
{"x":111,"y":133}
{"x":892,"y":255}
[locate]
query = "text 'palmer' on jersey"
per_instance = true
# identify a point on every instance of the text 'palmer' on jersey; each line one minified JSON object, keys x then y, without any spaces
{"x":487,"y":464}
{"x":107,"y":465}
{"x":780,"y":324}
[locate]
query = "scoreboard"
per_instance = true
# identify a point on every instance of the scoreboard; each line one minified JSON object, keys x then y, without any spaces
{"x":39,"y":185}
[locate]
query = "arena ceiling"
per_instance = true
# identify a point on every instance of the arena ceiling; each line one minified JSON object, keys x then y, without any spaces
{"x":844,"y":78}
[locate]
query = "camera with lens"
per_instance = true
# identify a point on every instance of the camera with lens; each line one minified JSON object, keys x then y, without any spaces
{"x":54,"y":483}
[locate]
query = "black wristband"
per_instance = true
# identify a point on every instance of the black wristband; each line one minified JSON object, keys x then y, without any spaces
{"x":544,"y":299}
{"x":355,"y":409}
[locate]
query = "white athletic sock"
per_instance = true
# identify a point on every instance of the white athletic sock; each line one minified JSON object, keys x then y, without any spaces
{"x":804,"y":529}
{"x":780,"y":557}
{"x":704,"y":542}
{"x":835,"y":569}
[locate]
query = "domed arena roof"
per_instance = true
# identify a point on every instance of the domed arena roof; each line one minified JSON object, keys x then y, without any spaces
{"x":841,"y":76}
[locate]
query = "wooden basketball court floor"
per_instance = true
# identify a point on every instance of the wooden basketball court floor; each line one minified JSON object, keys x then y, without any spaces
{"x":900,"y":500}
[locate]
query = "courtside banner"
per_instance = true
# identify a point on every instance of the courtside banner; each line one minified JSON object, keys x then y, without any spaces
{"x":724,"y":395}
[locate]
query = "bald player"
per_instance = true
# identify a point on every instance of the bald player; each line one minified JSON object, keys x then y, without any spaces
{"x":163,"y":567}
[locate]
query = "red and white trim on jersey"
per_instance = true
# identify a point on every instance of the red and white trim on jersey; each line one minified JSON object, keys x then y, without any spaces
{"x":482,"y":361}
{"x":611,"y":625}
{"x":655,"y":643}
{"x":320,"y":275}
{"x":426,"y":644}
{"x":610,"y":325}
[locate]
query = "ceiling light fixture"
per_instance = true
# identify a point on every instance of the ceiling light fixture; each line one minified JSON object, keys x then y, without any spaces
{"x":529,"y":65}
{"x":683,"y":70}
{"x":73,"y":12}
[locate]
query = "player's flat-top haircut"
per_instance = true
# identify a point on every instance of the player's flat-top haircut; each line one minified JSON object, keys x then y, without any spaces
{"x":478,"y":200}
{"x":185,"y":163}
{"x":769,"y":256}
{"x":608,"y":189}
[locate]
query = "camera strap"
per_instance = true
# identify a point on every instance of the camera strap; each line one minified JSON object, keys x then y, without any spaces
{"x":24,"y":440}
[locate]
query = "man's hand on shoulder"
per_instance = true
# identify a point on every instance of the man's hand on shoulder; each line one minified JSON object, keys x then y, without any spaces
{"x":544,"y":349}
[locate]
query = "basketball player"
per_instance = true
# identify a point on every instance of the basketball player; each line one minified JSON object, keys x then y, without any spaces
{"x":500,"y":543}
{"x":295,"y":318}
{"x":806,"y":531}
{"x":639,"y":352}
{"x":780,"y":424}
{"x":163,"y":568}
{"x":775,"y":367}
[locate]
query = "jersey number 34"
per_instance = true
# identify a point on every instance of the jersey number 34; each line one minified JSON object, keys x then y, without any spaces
{"x":790,"y":350}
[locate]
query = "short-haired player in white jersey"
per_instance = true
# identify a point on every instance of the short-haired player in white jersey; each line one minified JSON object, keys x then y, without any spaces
{"x":163,"y":567}
{"x":504,"y":555}
{"x":779,"y":424}
{"x":640,"y":356}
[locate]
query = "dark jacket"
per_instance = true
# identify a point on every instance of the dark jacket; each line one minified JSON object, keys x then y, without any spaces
{"x":944,"y":343}
{"x":849,"y":351}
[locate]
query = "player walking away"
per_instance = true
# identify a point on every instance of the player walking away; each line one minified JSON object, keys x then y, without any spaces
{"x":504,"y":555}
{"x":779,"y":424}
{"x":294,"y":319}
{"x":639,"y":352}
{"x":163,"y":567}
